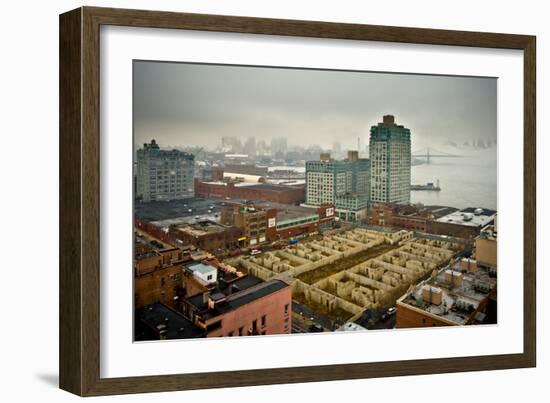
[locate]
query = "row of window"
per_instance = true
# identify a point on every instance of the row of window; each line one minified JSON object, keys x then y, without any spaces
{"x":254,"y":328}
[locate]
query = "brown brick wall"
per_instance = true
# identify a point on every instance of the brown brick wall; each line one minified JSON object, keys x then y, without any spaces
{"x":154,"y":231}
{"x":291,"y":195}
{"x":212,"y":241}
{"x":161,"y":285}
{"x":389,"y":216}
{"x":456,"y":230}
{"x":486,"y":252}
{"x":409,"y":317}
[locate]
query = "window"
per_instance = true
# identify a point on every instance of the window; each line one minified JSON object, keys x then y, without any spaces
{"x":286,"y":309}
{"x":214,"y":326}
{"x":209,"y":277}
{"x":263,"y":321}
{"x":241,"y":331}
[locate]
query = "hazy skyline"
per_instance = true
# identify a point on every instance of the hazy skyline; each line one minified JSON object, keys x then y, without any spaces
{"x":182,"y":104}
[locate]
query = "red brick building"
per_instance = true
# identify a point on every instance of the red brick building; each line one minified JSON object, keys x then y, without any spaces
{"x":262,"y":221}
{"x":406,"y":217}
{"x":206,"y":235}
{"x":159,"y":275}
{"x":262,"y":309}
{"x":258,"y":191}
{"x":153,"y":231}
{"x":298,"y":221}
{"x":252,"y":221}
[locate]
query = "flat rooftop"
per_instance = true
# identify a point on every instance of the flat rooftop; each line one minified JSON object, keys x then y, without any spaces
{"x":287,"y":182}
{"x":244,"y":283}
{"x":151,"y":243}
{"x":146,"y":255}
{"x":454,"y":299}
{"x":158,"y":318}
{"x":238,"y":299}
{"x":177,"y":210}
{"x":202,"y":228}
{"x":268,"y":187}
{"x":201,"y":268}
{"x":287,"y":212}
{"x":292,"y":215}
{"x":471,"y":216}
{"x":439,"y":211}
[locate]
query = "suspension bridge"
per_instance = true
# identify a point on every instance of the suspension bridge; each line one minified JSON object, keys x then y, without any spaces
{"x":427,"y":153}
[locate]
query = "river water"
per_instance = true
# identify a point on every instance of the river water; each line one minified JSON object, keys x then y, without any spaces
{"x":469,"y":181}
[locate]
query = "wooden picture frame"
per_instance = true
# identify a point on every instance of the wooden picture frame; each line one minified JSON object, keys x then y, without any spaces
{"x":80,"y":187}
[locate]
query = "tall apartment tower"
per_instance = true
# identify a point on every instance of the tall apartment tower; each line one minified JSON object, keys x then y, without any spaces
{"x":345,"y":184}
{"x":164,"y":174}
{"x":390,"y":162}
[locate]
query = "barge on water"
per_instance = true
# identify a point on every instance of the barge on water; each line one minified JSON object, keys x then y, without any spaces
{"x":430,"y":186}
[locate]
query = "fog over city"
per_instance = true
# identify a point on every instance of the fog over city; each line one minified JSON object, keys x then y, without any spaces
{"x":283,"y":201}
{"x":182,"y":104}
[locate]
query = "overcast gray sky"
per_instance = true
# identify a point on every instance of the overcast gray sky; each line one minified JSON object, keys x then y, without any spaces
{"x":182,"y":104}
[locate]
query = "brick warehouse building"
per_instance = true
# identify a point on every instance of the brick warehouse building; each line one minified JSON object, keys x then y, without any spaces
{"x":400,"y":217}
{"x":262,"y":309}
{"x":262,"y":221}
{"x":256,"y":191}
{"x":155,"y":281}
{"x":206,"y":235}
{"x":158,"y":273}
{"x":252,"y":220}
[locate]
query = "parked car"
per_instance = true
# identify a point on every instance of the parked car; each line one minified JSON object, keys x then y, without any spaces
{"x":254,"y":252}
{"x":392,"y":310}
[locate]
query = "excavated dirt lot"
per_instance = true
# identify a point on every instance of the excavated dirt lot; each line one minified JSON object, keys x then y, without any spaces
{"x":344,"y":264}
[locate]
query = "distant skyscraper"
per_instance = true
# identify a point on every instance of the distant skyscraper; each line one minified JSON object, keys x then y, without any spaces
{"x":342,"y":183}
{"x":164,"y":174}
{"x":278,"y":145}
{"x":261,"y":147}
{"x":336,"y":148}
{"x":250,"y":146}
{"x":390,"y":162}
{"x":231,"y":144}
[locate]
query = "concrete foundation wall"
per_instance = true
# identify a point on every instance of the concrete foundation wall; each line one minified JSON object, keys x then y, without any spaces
{"x":374,"y":283}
